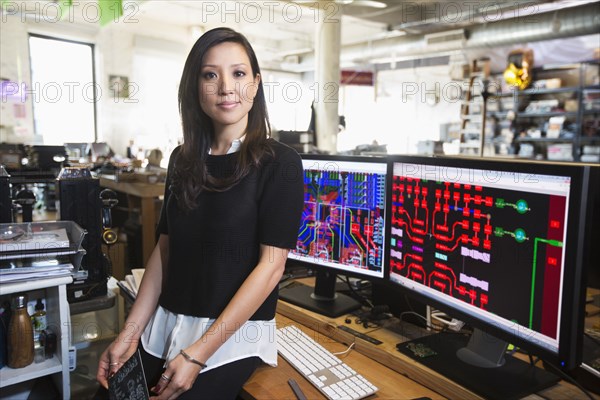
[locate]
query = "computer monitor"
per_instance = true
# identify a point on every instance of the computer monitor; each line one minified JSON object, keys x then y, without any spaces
{"x":99,"y":151}
{"x":343,"y":228}
{"x":77,"y":151}
{"x":45,"y":157}
{"x":500,"y":245}
{"x":592,"y":257}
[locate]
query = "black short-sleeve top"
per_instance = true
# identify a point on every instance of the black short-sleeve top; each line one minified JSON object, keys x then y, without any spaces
{"x":213,"y":248}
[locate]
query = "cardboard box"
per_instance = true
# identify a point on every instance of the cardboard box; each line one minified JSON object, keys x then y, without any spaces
{"x":553,"y":83}
{"x":571,"y":105}
{"x":560,"y":152}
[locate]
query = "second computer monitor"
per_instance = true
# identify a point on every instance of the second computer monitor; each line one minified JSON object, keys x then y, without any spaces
{"x":342,"y":230}
{"x":343,"y":223}
{"x":499,"y":243}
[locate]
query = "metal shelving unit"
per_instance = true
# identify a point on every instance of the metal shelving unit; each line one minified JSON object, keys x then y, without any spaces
{"x":577,"y":78}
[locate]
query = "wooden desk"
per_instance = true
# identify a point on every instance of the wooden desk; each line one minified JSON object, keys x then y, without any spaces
{"x":271,"y":383}
{"x":142,"y":195}
{"x":396,"y":376}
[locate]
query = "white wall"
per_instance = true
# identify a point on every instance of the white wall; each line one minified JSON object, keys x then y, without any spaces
{"x":16,"y":117}
{"x":115,"y":46}
{"x":406,"y":100}
{"x":120,"y":49}
{"x":396,"y":112}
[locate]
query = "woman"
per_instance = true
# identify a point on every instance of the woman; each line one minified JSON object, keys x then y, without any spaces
{"x":204,"y":314}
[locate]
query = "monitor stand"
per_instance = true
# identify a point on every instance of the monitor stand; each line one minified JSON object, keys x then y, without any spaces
{"x":479,"y":365}
{"x":321,"y":299}
{"x":484,"y":351}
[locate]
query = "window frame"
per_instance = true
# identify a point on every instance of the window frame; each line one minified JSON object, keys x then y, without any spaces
{"x":94,"y":81}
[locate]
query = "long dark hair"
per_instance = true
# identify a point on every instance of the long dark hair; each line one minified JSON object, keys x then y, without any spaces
{"x":190,"y":175}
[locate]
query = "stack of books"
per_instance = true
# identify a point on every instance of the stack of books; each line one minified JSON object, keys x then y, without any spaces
{"x":131,"y":284}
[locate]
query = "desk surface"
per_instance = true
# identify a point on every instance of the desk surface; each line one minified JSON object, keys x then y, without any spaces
{"x":138,"y":189}
{"x":396,"y":376}
{"x":271,"y":383}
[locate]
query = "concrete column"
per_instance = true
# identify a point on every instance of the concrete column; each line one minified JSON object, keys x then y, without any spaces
{"x":327,"y":74}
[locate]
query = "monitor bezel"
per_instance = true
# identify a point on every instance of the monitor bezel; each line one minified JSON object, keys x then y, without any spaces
{"x":573,"y":297}
{"x":338,"y":271}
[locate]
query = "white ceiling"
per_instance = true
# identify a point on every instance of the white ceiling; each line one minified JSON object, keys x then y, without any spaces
{"x":280,"y":29}
{"x":286,"y":27}
{"x":277,"y":27}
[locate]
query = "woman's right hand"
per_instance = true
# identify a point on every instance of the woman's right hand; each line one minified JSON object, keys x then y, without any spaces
{"x":113,"y":358}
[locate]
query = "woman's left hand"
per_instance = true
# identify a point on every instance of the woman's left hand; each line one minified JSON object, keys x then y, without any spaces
{"x":178,"y":378}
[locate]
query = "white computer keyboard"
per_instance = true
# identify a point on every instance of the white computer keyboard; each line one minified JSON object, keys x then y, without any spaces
{"x":329,"y":374}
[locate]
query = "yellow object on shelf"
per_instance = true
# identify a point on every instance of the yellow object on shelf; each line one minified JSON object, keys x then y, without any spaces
{"x":518,"y":72}
{"x":516,"y":77}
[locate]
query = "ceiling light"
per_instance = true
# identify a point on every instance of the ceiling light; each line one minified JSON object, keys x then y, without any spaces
{"x":363,"y":3}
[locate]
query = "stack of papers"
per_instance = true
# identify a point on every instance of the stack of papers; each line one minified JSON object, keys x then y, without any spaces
{"x":34,"y":268}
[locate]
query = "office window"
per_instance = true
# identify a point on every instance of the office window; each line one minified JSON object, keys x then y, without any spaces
{"x":364,"y":122}
{"x":288,"y":100}
{"x":63,"y":90}
{"x":155,"y":79}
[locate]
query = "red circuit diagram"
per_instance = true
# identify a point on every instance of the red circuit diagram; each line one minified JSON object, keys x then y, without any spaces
{"x":449,"y":216}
